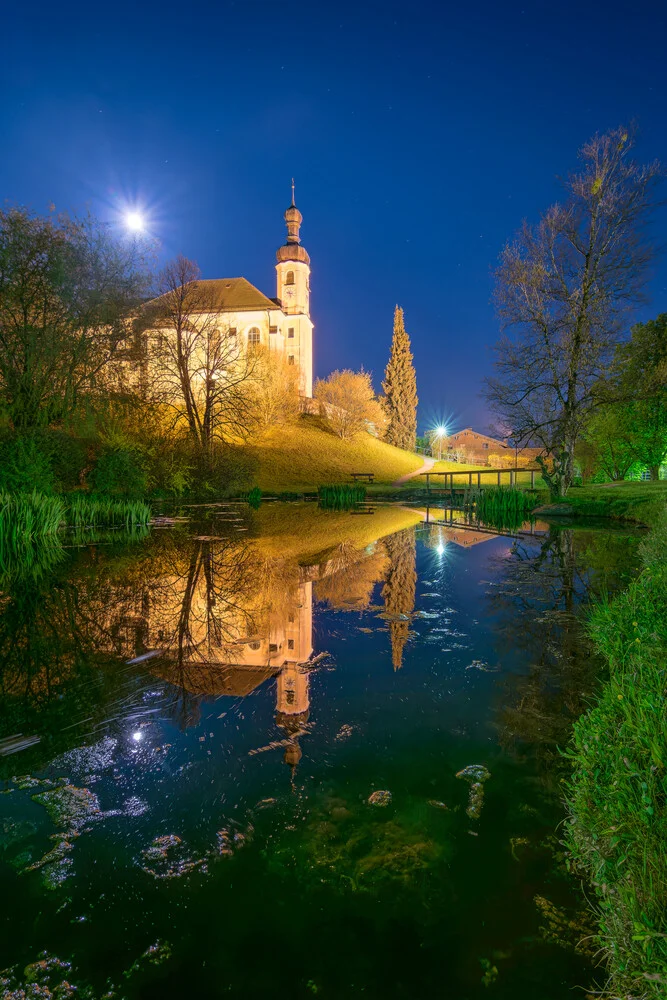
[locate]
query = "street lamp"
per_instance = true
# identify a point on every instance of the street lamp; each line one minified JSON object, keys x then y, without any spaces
{"x":440,"y":433}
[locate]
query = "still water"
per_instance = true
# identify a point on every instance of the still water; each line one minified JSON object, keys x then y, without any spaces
{"x":231,"y":755}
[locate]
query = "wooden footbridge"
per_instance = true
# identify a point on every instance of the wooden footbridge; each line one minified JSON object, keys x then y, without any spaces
{"x":482,"y":477}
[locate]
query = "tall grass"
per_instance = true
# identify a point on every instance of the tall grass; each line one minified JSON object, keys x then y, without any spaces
{"x":100,"y":512}
{"x":29,"y":516}
{"x":501,"y":507}
{"x":339,"y":496}
{"x":617,"y":795}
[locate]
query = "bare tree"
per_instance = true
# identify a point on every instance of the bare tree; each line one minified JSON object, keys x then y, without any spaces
{"x":197,"y":366}
{"x":565,"y":286}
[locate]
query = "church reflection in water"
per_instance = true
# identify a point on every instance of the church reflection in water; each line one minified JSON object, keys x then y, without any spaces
{"x":217,"y":618}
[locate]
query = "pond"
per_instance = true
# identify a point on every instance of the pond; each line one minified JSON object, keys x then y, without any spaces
{"x":294,"y":753}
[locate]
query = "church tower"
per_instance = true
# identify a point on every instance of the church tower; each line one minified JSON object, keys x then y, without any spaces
{"x":293,"y":284}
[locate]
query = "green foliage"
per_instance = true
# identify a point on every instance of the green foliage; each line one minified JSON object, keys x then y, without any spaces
{"x":66,"y":288}
{"x":617,"y":794}
{"x":24,"y":465}
{"x":400,"y":388}
{"x":120,"y":472}
{"x":340,"y":495}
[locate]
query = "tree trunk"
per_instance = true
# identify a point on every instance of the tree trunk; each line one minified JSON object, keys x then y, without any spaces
{"x":655,"y":473}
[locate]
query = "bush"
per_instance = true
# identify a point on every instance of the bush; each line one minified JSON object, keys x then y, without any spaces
{"x":120,"y":472}
{"x":25,"y":466}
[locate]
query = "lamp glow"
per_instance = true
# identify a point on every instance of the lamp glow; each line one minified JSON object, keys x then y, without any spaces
{"x":137,"y":737}
{"x":441,"y":431}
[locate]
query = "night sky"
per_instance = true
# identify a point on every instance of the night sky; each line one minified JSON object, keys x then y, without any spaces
{"x":419,"y":134}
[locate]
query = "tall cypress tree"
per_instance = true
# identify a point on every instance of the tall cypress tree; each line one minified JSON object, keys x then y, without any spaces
{"x":400,"y":388}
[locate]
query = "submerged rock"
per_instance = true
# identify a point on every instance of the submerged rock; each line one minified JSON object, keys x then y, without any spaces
{"x":436,"y":804}
{"x":380,"y":798}
{"x":474,"y":772}
{"x":70,"y":807}
{"x":475,"y":800}
{"x":166,"y":858}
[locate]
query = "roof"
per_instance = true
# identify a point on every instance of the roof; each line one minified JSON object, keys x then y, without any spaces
{"x":229,"y":295}
{"x":235,"y":294}
{"x":476,"y":434}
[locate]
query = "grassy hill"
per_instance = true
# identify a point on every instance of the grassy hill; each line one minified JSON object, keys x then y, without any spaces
{"x":307,"y":454}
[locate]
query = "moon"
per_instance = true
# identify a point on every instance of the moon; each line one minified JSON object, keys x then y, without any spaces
{"x":135,"y":222}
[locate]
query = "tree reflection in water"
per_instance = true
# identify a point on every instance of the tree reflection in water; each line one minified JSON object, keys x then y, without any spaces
{"x":537,"y":599}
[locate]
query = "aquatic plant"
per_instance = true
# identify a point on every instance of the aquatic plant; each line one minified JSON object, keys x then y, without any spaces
{"x":617,"y":795}
{"x":254,"y":497}
{"x":103,"y":512}
{"x":339,"y":496}
{"x":28,"y":516}
{"x":501,"y":507}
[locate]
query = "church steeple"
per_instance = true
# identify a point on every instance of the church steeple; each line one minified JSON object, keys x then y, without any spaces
{"x":293,"y":293}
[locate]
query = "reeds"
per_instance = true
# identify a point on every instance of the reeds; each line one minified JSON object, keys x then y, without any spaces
{"x":100,"y":512}
{"x":29,"y":516}
{"x":254,"y":497}
{"x":340,"y":496}
{"x":501,"y":507}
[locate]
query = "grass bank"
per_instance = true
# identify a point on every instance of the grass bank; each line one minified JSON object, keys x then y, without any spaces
{"x":301,"y":457}
{"x":630,"y":501}
{"x":617,"y":795}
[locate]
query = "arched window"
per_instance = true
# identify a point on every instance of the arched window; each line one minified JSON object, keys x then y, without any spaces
{"x":253,"y":337}
{"x":289,"y":278}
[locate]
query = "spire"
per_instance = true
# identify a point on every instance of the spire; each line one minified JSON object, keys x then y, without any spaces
{"x":291,"y":250}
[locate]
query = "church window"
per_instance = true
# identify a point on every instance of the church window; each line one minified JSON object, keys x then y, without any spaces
{"x":273,"y":647}
{"x":290,"y":331}
{"x":290,"y":359}
{"x":289,"y":278}
{"x":290,"y":697}
{"x":290,"y":643}
{"x":254,"y":645}
{"x":273,"y":329}
{"x":232,"y":331}
{"x":253,"y":337}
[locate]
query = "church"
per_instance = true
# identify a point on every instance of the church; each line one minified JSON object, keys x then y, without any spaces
{"x":281,"y":324}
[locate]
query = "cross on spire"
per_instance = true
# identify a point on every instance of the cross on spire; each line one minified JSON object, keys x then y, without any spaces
{"x":293,"y":191}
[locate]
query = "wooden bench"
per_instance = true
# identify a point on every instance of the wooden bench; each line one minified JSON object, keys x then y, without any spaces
{"x":368,"y":476}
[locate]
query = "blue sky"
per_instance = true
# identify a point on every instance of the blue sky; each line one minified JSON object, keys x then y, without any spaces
{"x":420,"y":135}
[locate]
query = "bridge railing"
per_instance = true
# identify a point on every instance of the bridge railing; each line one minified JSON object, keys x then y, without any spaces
{"x":484,"y":477}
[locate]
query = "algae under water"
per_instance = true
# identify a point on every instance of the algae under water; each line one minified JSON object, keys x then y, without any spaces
{"x":288,"y":752}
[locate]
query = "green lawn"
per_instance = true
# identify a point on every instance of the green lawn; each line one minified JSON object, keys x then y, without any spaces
{"x":301,"y":457}
{"x":635,"y":501}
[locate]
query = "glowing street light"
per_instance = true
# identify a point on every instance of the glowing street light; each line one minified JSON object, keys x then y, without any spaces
{"x":440,"y":433}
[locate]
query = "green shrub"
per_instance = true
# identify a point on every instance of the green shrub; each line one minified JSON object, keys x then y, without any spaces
{"x":25,"y":466}
{"x":120,"y":472}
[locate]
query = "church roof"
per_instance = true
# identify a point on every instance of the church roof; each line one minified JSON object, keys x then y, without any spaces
{"x":234,"y":295}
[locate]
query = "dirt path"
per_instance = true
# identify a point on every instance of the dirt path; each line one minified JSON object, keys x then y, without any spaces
{"x":426,"y":467}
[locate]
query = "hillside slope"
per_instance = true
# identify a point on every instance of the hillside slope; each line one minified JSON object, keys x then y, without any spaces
{"x":307,"y":455}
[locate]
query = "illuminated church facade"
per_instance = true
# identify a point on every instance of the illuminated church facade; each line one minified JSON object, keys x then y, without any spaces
{"x":282,"y":324}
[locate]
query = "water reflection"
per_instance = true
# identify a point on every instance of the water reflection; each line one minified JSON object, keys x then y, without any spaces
{"x":214,"y":616}
{"x":158,"y":690}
